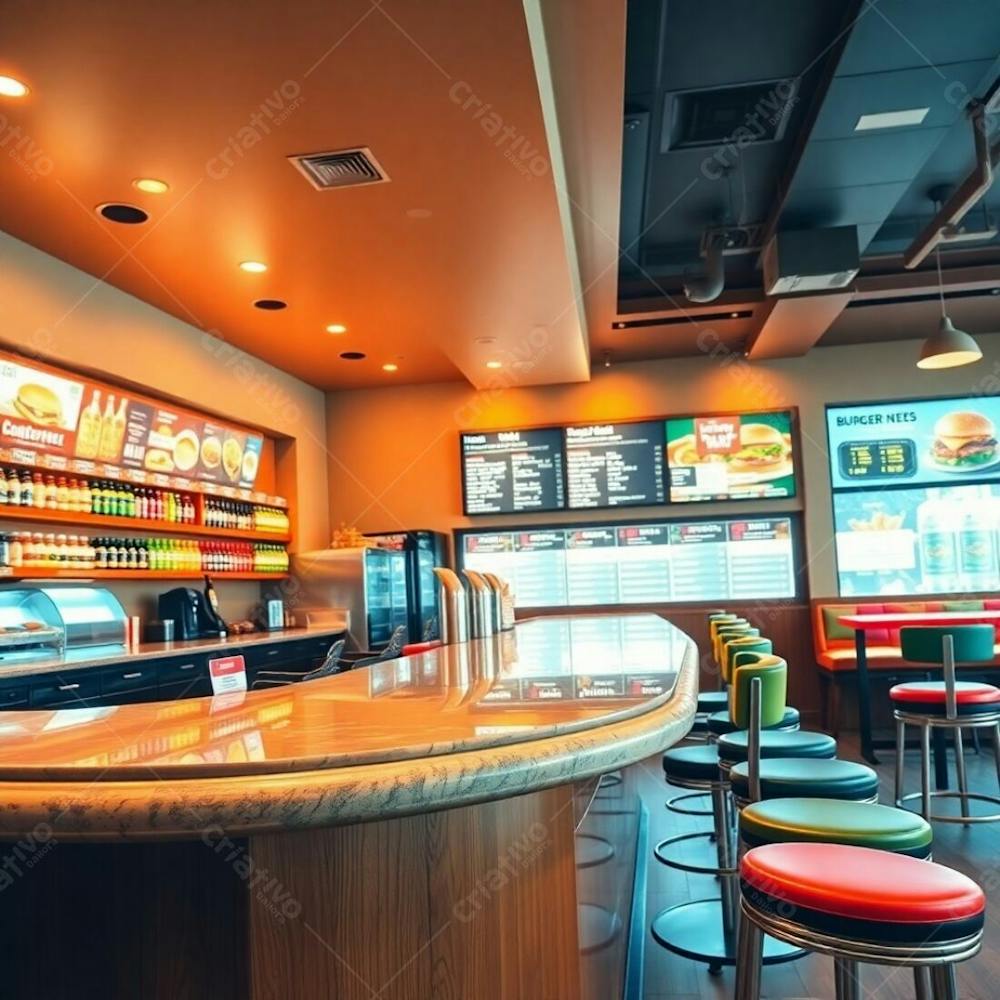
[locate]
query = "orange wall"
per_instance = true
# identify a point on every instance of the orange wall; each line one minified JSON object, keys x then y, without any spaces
{"x":60,"y":314}
{"x":394,"y":458}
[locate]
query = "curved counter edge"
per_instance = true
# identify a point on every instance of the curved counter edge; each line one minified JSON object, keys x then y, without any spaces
{"x":210,"y":808}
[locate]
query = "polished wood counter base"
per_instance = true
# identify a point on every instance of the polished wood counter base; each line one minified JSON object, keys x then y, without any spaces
{"x":478,"y":901}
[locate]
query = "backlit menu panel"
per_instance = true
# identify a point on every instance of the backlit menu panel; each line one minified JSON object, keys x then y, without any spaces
{"x":615,"y":465}
{"x":694,"y":561}
{"x":513,"y":472}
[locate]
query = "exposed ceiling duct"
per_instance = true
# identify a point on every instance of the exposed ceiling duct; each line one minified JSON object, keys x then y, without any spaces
{"x":708,"y":286}
{"x":968,"y":193}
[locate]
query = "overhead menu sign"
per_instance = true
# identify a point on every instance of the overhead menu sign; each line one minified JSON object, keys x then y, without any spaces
{"x":615,"y":465}
{"x":513,"y":472}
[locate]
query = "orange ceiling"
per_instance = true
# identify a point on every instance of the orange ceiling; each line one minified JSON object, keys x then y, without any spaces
{"x":140,"y":89}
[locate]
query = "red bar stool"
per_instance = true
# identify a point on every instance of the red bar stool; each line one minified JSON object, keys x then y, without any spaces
{"x":949,"y":705}
{"x":858,"y":905}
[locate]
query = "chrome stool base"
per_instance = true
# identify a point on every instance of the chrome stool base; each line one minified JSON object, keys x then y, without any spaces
{"x":672,"y":804}
{"x":709,"y":865}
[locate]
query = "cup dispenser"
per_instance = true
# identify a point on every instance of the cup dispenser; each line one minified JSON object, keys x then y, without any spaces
{"x":481,"y":605}
{"x":454,"y":606}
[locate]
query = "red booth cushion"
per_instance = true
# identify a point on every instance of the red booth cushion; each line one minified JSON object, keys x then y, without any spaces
{"x":860,"y":883}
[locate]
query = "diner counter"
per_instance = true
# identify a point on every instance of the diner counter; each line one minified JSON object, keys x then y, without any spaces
{"x":14,"y":664}
{"x":554,"y":701}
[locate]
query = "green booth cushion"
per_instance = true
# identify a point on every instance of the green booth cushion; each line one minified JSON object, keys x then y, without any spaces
{"x":829,"y":821}
{"x":692,"y":763}
{"x":720,"y":723}
{"x":775,"y":743}
{"x":801,"y":778}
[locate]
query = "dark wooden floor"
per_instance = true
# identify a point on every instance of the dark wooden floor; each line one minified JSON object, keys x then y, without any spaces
{"x":973,"y":850}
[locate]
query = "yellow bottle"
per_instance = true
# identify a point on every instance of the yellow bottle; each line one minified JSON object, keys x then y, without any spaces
{"x":88,"y":436}
{"x":106,"y":452}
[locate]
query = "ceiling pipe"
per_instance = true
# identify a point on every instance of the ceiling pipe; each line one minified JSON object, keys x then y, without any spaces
{"x":707,"y":287}
{"x":965,"y":196}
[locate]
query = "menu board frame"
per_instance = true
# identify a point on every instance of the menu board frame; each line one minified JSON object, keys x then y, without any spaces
{"x":795,"y":517}
{"x":795,"y":454}
{"x":906,"y":484}
{"x":560,"y":458}
{"x":57,"y":446}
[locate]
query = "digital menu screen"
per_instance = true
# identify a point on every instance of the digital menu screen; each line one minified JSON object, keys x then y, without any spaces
{"x":513,"y":472}
{"x":730,"y":457}
{"x":923,"y":442}
{"x":615,"y":465}
{"x":693,"y":561}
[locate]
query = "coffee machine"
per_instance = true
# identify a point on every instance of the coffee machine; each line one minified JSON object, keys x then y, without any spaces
{"x":192,"y":614}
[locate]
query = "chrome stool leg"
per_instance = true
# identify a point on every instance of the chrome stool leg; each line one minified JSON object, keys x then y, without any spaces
{"x":847,"y":978}
{"x":945,"y":984}
{"x":900,"y":751}
{"x":963,"y":782}
{"x":996,"y":750}
{"x":925,"y":771}
{"x":922,"y":983}
{"x":749,"y":959}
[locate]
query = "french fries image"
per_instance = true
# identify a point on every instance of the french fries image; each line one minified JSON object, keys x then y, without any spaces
{"x":879,"y":521}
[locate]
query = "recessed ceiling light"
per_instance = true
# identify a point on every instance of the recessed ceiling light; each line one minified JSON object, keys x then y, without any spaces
{"x":253,"y":266}
{"x":418,"y":213}
{"x":486,"y":340}
{"x":127,"y":215}
{"x":891,"y":119}
{"x":494,"y":364}
{"x":336,"y":328}
{"x":734,"y":315}
{"x":270,"y":304}
{"x":9,"y":87}
{"x":390,"y":367}
{"x":151,"y":185}
{"x":353,"y":356}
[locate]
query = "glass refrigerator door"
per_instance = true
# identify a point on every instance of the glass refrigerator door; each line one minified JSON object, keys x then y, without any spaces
{"x":400,"y":605}
{"x":426,"y":597}
{"x":378,"y":596}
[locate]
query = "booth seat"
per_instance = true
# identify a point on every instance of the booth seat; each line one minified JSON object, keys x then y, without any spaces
{"x":836,"y":659}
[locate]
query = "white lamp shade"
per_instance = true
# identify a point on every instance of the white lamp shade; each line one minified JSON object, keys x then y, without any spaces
{"x":948,"y":348}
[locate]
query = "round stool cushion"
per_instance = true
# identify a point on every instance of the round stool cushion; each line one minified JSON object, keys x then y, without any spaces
{"x":692,"y":763}
{"x":825,"y":821}
{"x":775,"y":743}
{"x":858,"y":893}
{"x":798,"y":778}
{"x":720,"y":723}
{"x":929,"y":697}
{"x":713,"y":701}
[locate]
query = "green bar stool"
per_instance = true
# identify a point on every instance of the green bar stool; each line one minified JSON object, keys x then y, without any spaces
{"x":705,"y":929}
{"x":949,"y":704}
{"x":858,"y":905}
{"x":738,"y":651}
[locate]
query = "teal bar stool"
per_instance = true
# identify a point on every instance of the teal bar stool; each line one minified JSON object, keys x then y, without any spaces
{"x":949,"y":704}
{"x":704,"y":930}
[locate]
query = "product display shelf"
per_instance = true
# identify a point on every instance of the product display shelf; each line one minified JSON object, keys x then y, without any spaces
{"x":66,"y":573}
{"x":81,"y":521}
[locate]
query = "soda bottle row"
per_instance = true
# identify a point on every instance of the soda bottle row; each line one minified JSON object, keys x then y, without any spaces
{"x":243,"y":516}
{"x":38,"y":550}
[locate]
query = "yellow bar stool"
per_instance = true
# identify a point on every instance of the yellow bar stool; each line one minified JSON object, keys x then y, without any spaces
{"x":949,"y":704}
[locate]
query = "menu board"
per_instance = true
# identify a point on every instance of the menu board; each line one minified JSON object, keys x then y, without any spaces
{"x":915,"y":443}
{"x":63,"y":422}
{"x":615,"y":465}
{"x":513,"y":472}
{"x":650,"y":563}
{"x":730,"y":457}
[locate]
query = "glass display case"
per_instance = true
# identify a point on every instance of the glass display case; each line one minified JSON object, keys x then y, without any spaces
{"x":49,"y":620}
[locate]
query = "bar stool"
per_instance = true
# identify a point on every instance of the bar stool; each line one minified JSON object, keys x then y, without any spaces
{"x":705,"y":929}
{"x":858,"y":905}
{"x":950,"y":705}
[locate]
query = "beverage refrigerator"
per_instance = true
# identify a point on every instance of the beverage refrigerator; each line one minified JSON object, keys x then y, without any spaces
{"x":423,"y":551}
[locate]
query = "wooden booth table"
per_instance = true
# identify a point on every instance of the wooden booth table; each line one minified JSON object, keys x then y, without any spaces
{"x":462,"y":822}
{"x":862,"y":625}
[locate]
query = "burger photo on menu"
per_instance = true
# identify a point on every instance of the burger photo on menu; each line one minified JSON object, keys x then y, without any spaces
{"x":730,"y":457}
{"x":38,"y":409}
{"x":964,"y":441}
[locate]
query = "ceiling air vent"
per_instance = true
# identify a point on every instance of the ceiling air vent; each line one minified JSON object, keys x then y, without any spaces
{"x":749,"y":113}
{"x":343,"y":168}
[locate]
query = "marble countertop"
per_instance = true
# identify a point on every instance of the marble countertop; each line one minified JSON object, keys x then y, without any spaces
{"x":557,"y":699}
{"x":85,"y":657}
